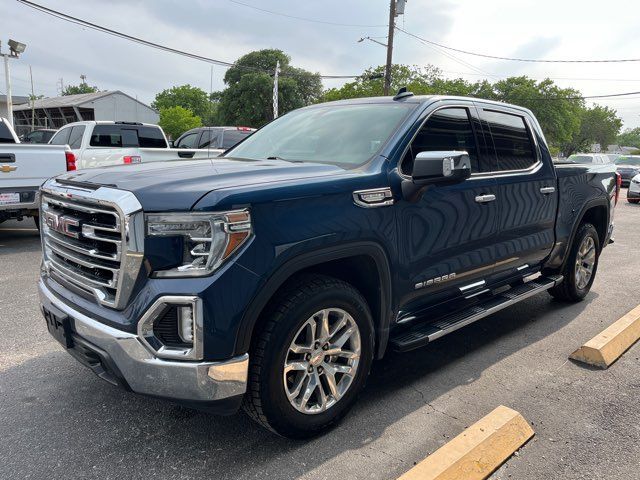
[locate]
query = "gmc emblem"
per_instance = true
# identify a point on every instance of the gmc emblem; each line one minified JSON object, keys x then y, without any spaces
{"x":62,"y":224}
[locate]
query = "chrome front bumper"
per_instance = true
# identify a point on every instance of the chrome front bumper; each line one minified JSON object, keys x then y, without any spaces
{"x":143,"y":372}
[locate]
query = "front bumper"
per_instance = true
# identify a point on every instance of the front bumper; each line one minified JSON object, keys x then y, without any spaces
{"x":121,"y":358}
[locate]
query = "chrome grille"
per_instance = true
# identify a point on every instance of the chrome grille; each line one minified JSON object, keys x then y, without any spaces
{"x":90,"y":239}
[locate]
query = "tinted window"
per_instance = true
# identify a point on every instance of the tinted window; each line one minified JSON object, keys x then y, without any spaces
{"x":346,"y":135}
{"x":232,"y":137}
{"x":34,"y":137}
{"x":75,"y":137}
{"x":61,"y":137}
{"x":634,"y":161}
{"x":209,"y":139}
{"x":511,"y":139}
{"x":445,"y":130}
{"x":113,"y":136}
{"x":188,"y":141}
{"x":5,"y":134}
{"x":46,"y":136}
{"x":151,"y":137}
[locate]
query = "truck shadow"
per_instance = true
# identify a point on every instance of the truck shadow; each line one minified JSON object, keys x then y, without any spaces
{"x":118,"y":433}
{"x":19,"y":237}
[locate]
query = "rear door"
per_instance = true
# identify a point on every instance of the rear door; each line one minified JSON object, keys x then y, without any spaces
{"x":526,"y":194}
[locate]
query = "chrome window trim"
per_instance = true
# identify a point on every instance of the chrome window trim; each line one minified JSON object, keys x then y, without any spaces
{"x":131,"y":222}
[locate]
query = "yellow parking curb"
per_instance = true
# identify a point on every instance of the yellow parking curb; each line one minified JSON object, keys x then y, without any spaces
{"x":478,"y":451}
{"x":605,"y":348}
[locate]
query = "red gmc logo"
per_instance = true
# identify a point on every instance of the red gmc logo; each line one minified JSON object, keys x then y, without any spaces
{"x":62,"y":224}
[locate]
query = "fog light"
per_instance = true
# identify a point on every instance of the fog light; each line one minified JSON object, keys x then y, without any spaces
{"x":185,"y":323}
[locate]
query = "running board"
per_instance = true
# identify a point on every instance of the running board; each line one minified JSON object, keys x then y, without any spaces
{"x":424,"y":333}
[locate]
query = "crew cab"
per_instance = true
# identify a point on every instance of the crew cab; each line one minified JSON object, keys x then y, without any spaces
{"x":103,"y":143}
{"x":23,"y":169}
{"x":273,"y":276}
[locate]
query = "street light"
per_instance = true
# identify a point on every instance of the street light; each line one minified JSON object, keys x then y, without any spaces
{"x":15,"y":49}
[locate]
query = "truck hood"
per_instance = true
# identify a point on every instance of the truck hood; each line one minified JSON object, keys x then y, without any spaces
{"x":178,"y":185}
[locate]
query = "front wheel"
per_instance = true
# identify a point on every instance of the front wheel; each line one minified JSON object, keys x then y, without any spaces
{"x":580,"y":269}
{"x":311,"y":358}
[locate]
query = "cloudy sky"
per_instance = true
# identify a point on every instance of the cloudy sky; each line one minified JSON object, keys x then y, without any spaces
{"x":225,"y":30}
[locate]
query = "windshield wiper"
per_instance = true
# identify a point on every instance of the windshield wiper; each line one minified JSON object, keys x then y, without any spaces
{"x":280,"y":158}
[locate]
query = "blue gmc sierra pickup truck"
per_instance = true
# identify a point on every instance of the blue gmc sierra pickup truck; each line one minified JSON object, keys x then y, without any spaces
{"x":273,"y":276}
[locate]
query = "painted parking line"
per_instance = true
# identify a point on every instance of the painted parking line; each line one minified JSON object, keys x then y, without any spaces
{"x":478,"y":451}
{"x":605,"y":348}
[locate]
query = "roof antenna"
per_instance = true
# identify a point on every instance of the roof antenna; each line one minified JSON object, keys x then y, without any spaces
{"x":403,"y":93}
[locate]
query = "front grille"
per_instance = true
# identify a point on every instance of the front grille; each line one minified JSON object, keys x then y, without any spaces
{"x":87,"y":243}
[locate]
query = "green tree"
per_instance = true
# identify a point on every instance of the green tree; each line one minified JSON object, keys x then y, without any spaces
{"x":597,"y":125}
{"x":192,"y":98}
{"x":629,"y":138}
{"x":248,"y":98}
{"x":77,"y":89}
{"x":177,"y":120}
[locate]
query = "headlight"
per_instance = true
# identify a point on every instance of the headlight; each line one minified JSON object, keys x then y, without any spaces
{"x":208,"y":238}
{"x":636,"y":180}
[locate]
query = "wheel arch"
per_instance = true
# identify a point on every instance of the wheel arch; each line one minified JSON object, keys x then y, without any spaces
{"x":595,"y":212}
{"x":364,"y":265}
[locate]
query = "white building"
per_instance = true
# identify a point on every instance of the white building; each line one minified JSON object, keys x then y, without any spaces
{"x":58,"y":111}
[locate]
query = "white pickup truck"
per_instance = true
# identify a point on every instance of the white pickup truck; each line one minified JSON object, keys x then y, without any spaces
{"x":103,"y":143}
{"x":23,"y":169}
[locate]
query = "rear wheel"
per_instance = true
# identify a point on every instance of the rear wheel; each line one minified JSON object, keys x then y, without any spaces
{"x":311,"y":358}
{"x":581,"y":266}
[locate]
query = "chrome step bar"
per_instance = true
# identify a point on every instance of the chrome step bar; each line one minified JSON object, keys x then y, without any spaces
{"x":424,"y":333}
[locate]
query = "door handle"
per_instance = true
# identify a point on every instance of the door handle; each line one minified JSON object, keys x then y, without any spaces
{"x":547,"y":190}
{"x":186,"y":154}
{"x":485,"y":198}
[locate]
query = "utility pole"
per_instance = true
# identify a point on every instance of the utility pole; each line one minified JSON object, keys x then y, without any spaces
{"x":33,"y":102}
{"x":396,"y":7}
{"x":392,"y":27}
{"x":275,"y":90}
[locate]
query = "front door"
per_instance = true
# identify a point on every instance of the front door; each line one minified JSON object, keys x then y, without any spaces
{"x":448,"y":233}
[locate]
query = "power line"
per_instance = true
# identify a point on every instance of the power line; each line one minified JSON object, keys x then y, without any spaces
{"x":512,"y":59}
{"x":304,"y":19}
{"x":84,"y":23}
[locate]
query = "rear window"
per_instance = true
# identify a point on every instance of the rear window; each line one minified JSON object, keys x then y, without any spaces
{"x":581,"y":159}
{"x":114,"y":136}
{"x":233,"y":137}
{"x":5,"y":134}
{"x":633,"y":161}
{"x":513,"y":144}
{"x":151,"y":137}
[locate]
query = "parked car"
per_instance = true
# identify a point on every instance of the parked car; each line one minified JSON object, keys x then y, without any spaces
{"x":218,"y":139}
{"x":42,"y":135}
{"x":276,"y":274}
{"x":628,"y":167}
{"x":597,"y":158}
{"x":23,"y":169}
{"x":633,"y":194}
{"x":102,"y":143}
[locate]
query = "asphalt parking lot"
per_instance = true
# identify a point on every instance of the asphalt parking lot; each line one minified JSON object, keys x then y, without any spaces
{"x":57,"y":420}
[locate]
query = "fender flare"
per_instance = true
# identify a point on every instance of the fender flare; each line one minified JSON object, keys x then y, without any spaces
{"x":382,"y":318}
{"x":595,"y":202}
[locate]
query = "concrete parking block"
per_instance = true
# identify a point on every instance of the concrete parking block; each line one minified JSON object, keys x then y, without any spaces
{"x":478,"y":451}
{"x":606,"y":347}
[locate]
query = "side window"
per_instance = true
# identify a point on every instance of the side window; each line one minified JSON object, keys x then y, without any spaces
{"x":446,"y":129}
{"x":151,"y":137}
{"x":209,"y":139}
{"x":75,"y":137}
{"x":61,"y":137}
{"x":5,"y":134}
{"x":106,"y":136}
{"x":512,"y":140}
{"x":188,"y":141}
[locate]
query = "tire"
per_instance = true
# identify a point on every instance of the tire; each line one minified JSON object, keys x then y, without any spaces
{"x":573,"y":288}
{"x":633,"y":200}
{"x":288,"y":321}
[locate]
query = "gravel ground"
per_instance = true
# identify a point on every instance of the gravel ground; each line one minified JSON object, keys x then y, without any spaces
{"x":57,"y":420}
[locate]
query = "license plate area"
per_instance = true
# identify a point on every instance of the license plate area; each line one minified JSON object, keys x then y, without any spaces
{"x":9,"y":198}
{"x":59,"y":328}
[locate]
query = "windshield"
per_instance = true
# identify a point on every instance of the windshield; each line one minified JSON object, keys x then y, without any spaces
{"x":635,"y":161}
{"x":580,"y":158}
{"x":345,"y":135}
